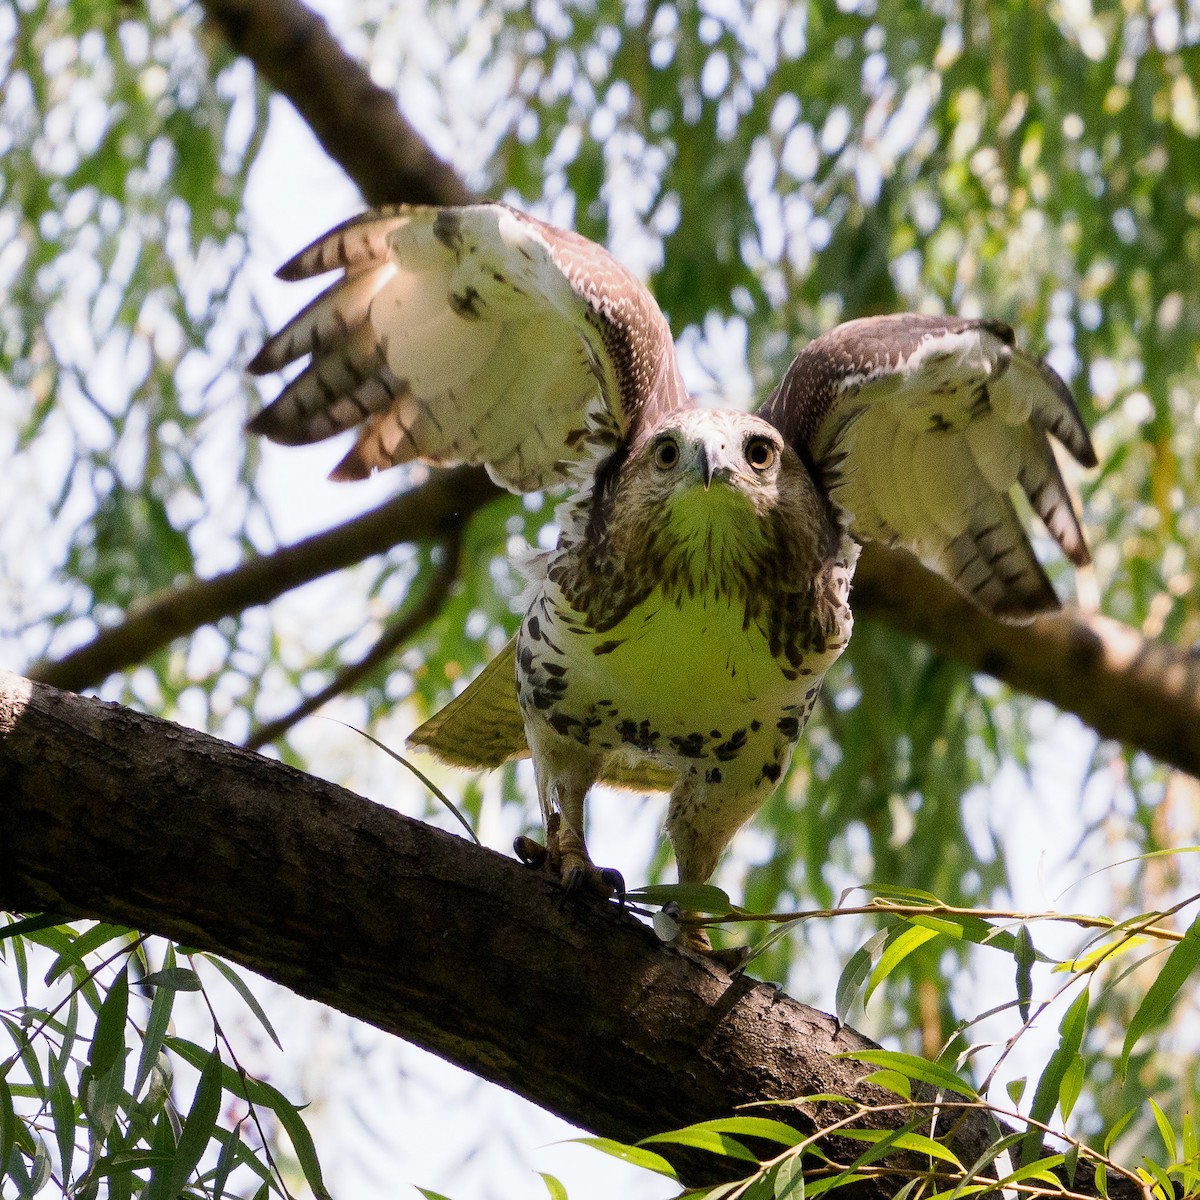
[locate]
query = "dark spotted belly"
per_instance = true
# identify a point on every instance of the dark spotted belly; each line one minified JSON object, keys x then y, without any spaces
{"x":685,"y":685}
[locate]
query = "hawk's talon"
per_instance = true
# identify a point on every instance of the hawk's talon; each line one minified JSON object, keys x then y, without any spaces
{"x":615,"y":882}
{"x":532,"y":854}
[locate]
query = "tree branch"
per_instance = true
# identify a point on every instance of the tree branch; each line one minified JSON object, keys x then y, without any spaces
{"x":576,"y":1006}
{"x":356,"y":121}
{"x":438,"y":509}
{"x":400,"y":630}
{"x":1143,"y":692}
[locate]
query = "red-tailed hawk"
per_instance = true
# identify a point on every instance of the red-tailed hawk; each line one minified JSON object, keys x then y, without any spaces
{"x":678,"y":634}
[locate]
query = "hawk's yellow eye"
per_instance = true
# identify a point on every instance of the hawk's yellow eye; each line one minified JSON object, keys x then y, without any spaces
{"x":666,"y":454}
{"x":760,"y":454}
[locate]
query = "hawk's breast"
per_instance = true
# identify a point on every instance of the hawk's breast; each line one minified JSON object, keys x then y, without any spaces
{"x":677,"y":679}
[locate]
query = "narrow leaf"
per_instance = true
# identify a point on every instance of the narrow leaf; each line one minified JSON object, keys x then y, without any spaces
{"x":1179,"y":965}
{"x":759,"y":1127}
{"x":694,"y":897}
{"x":702,"y":1139}
{"x":1072,"y":1085}
{"x":855,"y":972}
{"x":899,"y":1140}
{"x":198,"y":1127}
{"x":240,"y":986}
{"x":1049,"y":1088}
{"x":156,"y":1029}
{"x":789,"y":1179}
{"x":177,"y":979}
{"x":1026,"y":955}
{"x":934,"y":1074}
{"x":898,"y":949}
{"x":108,"y":1040}
{"x":553,"y":1186}
{"x":630,"y":1154}
{"x":1164,"y":1130}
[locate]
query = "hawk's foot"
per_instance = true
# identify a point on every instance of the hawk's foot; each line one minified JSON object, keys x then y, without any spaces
{"x":695,"y":938}
{"x":567,"y":857}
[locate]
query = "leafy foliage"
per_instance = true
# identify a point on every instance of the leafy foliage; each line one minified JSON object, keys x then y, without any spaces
{"x":772,"y":169}
{"x":91,"y":1096}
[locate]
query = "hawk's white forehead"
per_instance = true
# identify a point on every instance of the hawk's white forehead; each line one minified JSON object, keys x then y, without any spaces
{"x":703,"y":424}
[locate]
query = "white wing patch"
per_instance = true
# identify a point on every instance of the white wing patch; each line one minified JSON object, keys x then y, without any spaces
{"x":466,"y":335}
{"x":921,"y":431}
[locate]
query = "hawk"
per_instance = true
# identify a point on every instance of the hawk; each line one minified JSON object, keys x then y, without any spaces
{"x":677,"y":635}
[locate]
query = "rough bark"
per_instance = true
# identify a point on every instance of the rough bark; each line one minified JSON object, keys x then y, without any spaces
{"x":112,"y":814}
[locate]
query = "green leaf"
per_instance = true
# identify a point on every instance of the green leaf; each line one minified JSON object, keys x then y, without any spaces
{"x":759,"y":1127}
{"x":828,"y":1184}
{"x":1181,"y":962}
{"x":702,"y":1139}
{"x":855,"y":972}
{"x":1191,"y":1144}
{"x":894,"y":1081}
{"x":635,"y":1155}
{"x":240,"y":986}
{"x":255,"y":1091}
{"x":230,"y":1141}
{"x":986,"y":1160}
{"x":553,"y":1186}
{"x":62,"y":1114}
{"x":176,"y":979}
{"x":1164,"y":1130}
{"x":920,"y":1069}
{"x":899,"y":1139}
{"x":1163,"y":1189}
{"x":108,"y":1040}
{"x":1016,"y":1089}
{"x":198,"y":1127}
{"x":691,"y":897}
{"x":29,"y":925}
{"x":429,"y":1194}
{"x":898,"y":949}
{"x":79,"y":947}
{"x":1050,"y":1086}
{"x":156,"y":1027}
{"x":1026,"y":955}
{"x":1119,"y":1128}
{"x":789,"y":1178}
{"x":1072,"y":1085}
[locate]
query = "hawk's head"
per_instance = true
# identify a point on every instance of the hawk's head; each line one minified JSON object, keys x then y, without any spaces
{"x":716,"y":494}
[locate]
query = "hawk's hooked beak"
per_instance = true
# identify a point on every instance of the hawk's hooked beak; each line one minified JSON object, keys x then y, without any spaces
{"x":711,"y":465}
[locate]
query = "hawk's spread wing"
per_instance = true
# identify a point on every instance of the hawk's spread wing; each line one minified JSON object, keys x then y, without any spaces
{"x":919,"y":427}
{"x":475,"y":335}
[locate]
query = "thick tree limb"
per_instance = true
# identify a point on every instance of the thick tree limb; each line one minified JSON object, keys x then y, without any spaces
{"x":577,"y":1007}
{"x":355,"y":120}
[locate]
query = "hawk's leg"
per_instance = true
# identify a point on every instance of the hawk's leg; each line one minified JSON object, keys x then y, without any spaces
{"x":706,"y":810}
{"x":565,"y":771}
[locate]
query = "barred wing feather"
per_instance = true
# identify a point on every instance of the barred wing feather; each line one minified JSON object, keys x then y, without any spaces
{"x":475,"y":335}
{"x":920,"y":428}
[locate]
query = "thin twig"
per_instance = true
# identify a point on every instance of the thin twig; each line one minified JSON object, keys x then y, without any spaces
{"x":1082,"y":920}
{"x":406,"y":625}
